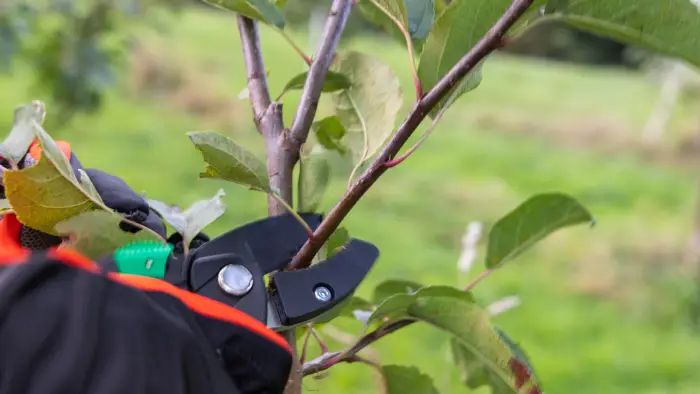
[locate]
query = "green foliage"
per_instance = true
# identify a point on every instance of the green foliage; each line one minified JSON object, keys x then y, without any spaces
{"x":329,"y":132}
{"x":400,"y":379}
{"x":669,"y":27}
{"x":367,"y":110}
{"x":314,"y":176}
{"x":529,"y":223}
{"x":96,"y":234}
{"x":194,"y":219}
{"x":334,"y":81}
{"x":48,"y":192}
{"x":366,"y":99}
{"x":229,"y":161}
{"x":261,"y":10}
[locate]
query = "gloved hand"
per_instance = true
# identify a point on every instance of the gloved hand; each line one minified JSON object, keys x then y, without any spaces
{"x":70,"y":325}
{"x":115,"y":193}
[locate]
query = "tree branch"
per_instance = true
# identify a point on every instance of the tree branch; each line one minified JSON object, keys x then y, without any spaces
{"x":268,"y":118}
{"x":328,"y":360}
{"x":490,"y":42}
{"x":306,"y":111}
{"x":280,"y":160}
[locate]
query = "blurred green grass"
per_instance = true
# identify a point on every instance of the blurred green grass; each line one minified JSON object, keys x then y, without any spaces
{"x":603,"y":309}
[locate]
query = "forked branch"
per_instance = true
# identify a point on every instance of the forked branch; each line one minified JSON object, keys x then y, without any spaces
{"x":489,"y":43}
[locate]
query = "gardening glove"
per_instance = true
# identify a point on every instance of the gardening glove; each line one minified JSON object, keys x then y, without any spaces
{"x":115,"y":193}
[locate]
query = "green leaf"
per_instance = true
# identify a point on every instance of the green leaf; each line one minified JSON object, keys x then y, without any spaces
{"x":21,"y":136}
{"x":314,"y":176}
{"x":261,"y":10}
{"x":470,"y":326}
{"x":669,"y":27}
{"x":337,"y":240}
{"x":229,"y":161}
{"x":391,"y":287}
{"x":170,"y":213}
{"x":530,"y":222}
{"x":201,"y":214}
{"x":457,"y":29}
{"x":88,"y":186}
{"x":398,"y":17}
{"x":421,"y":15}
{"x":329,"y":132}
{"x":334,"y":81}
{"x":401,"y":380}
{"x":96,"y":234}
{"x":474,"y":373}
{"x":396,"y":307}
{"x":345,"y":308}
{"x":193,"y":220}
{"x":367,"y":110}
{"x":48,"y":192}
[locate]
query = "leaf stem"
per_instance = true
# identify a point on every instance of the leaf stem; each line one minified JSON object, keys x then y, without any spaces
{"x":296,"y":47}
{"x":293,"y":212}
{"x":421,"y":109}
{"x":485,"y":274}
{"x":438,"y":118}
{"x":409,"y":46}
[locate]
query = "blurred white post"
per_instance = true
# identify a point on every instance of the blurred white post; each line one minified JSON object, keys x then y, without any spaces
{"x":672,"y":80}
{"x":469,"y":240}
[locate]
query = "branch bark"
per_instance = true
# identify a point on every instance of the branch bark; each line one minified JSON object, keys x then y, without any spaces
{"x":489,"y":43}
{"x":306,"y":111}
{"x":350,"y":355}
{"x":280,"y":159}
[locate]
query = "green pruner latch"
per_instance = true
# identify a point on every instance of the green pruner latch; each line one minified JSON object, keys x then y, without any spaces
{"x":144,"y":258}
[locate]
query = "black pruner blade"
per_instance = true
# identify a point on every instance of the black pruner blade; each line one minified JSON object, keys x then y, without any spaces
{"x":301,"y":295}
{"x":270,"y":242}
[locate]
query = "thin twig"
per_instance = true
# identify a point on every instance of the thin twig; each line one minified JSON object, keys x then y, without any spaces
{"x":350,"y":355}
{"x":306,"y":111}
{"x":490,"y":42}
{"x":438,"y":118}
{"x":409,"y":46}
{"x":305,"y":346}
{"x":478,"y":279}
{"x":296,"y":47}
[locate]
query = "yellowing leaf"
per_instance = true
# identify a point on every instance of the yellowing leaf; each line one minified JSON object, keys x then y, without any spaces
{"x":96,"y":234}
{"x":367,"y":110}
{"x":48,"y":192}
{"x":229,"y":161}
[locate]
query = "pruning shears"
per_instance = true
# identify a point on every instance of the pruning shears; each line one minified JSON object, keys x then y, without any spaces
{"x":232,"y":269}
